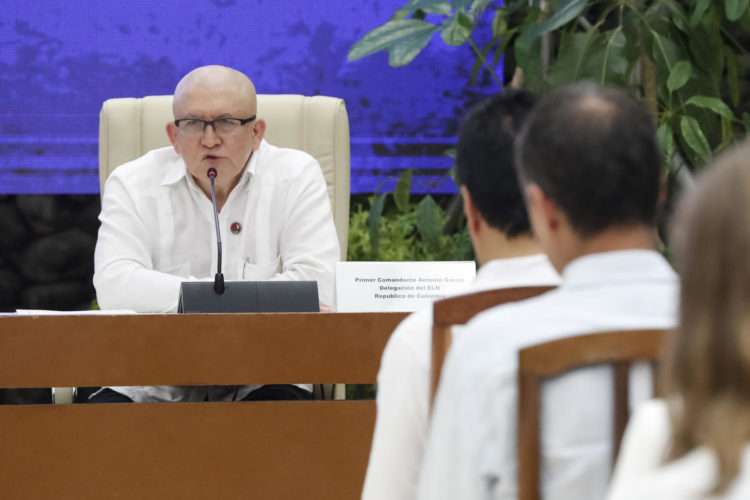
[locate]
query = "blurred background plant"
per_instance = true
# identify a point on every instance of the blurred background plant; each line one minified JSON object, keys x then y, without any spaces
{"x":685,"y":59}
{"x":393,"y":226}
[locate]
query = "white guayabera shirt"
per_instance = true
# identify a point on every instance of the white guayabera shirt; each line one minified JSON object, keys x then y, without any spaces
{"x":157,"y":230}
{"x":642,"y":472}
{"x":471,"y":447}
{"x":404,"y":383}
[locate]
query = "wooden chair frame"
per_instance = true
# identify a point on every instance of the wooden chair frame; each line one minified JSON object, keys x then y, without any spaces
{"x":275,"y":450}
{"x":551,"y":359}
{"x":459,"y":310}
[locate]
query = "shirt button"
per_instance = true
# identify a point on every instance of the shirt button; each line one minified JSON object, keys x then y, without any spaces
{"x":236,"y":227}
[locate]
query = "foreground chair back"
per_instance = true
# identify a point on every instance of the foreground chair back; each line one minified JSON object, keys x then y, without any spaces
{"x":551,"y":359}
{"x":270,"y":450}
{"x":130,"y":127}
{"x":459,"y":310}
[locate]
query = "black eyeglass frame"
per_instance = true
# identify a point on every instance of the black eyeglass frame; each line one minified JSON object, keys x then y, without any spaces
{"x":206,"y":123}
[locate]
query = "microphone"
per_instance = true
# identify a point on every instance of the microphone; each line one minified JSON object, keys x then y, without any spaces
{"x":244,"y":296}
{"x":219,"y":279}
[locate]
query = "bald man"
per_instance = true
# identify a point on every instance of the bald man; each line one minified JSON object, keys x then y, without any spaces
{"x":157,"y":227}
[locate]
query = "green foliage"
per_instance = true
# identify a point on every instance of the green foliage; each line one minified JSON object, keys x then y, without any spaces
{"x":679,"y":56}
{"x":404,"y":230}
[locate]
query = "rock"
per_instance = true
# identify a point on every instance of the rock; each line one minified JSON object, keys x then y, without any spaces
{"x":87,"y":215}
{"x":58,"y":257}
{"x":45,"y":213}
{"x":14,"y":232}
{"x":66,"y":296}
{"x":10,"y":288}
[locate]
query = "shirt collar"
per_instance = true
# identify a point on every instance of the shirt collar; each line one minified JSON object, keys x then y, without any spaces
{"x":515,"y":268}
{"x":618,"y":266}
{"x":177,"y":170}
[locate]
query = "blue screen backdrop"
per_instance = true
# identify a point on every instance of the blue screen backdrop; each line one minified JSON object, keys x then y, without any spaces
{"x":60,"y":59}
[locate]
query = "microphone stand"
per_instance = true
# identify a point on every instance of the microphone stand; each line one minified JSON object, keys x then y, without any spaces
{"x":244,"y":296}
{"x":219,"y":278}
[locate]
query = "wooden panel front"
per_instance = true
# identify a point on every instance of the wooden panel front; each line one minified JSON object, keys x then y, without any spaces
{"x":193,"y":349}
{"x":271,"y":450}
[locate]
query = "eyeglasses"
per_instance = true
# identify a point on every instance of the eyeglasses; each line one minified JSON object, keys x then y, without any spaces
{"x":222,"y":126}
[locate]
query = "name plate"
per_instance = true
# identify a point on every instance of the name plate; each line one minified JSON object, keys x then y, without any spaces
{"x":398,"y":286}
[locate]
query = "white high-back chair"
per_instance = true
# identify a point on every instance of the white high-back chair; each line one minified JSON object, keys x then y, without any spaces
{"x":130,"y":127}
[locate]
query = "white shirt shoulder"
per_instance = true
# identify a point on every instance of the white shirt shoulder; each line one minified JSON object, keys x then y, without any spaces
{"x":643,"y":471}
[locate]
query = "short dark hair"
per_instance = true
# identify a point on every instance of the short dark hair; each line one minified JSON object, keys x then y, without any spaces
{"x":593,"y":151}
{"x":484,"y":159}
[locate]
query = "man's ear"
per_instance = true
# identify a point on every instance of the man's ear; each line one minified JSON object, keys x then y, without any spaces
{"x":473,"y":218}
{"x":259,"y":131}
{"x":172,"y":134}
{"x":544,"y":213}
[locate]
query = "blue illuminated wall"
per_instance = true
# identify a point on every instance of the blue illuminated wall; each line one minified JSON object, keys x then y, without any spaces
{"x":60,"y":59}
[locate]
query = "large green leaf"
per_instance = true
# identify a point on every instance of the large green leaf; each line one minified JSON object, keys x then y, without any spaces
{"x":744,"y":21}
{"x":733,"y":82}
{"x":735,"y":8}
{"x":679,"y":75}
{"x":678,"y":17}
{"x":499,"y":23}
{"x":458,"y":29}
{"x":665,"y":54}
{"x":570,"y":11}
{"x":405,"y":51}
{"x":711,"y":103}
{"x":694,"y":137}
{"x":527,"y":53}
{"x":400,"y":14}
{"x":615,"y":61}
{"x":401,"y":192}
{"x":429,"y":221}
{"x":373,"y":222}
{"x":665,"y":139}
{"x":432,"y":6}
{"x":590,"y":55}
{"x":389,"y":35}
{"x":698,"y":11}
{"x":706,"y":47}
{"x":577,"y":50}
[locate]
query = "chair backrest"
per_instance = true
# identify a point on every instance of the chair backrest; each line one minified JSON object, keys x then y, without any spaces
{"x":130,"y":127}
{"x":551,"y":359}
{"x":459,"y":310}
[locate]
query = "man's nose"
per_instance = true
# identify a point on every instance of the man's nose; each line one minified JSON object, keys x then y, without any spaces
{"x":209,"y":137}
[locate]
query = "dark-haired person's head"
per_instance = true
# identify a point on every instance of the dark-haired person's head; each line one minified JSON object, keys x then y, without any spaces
{"x":590,"y":153}
{"x":484,"y":161}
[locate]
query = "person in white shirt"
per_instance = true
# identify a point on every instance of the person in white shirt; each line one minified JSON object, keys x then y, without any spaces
{"x":695,"y":443}
{"x":590,"y":172}
{"x":509,"y":257}
{"x":157,"y":224}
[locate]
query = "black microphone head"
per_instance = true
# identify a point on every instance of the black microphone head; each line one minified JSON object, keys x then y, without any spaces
{"x":211,"y":173}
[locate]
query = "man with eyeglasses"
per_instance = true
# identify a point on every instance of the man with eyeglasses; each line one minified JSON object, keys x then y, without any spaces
{"x":157,"y":225}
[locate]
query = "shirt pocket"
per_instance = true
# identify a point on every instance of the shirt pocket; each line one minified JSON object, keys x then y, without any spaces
{"x":260,"y":272}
